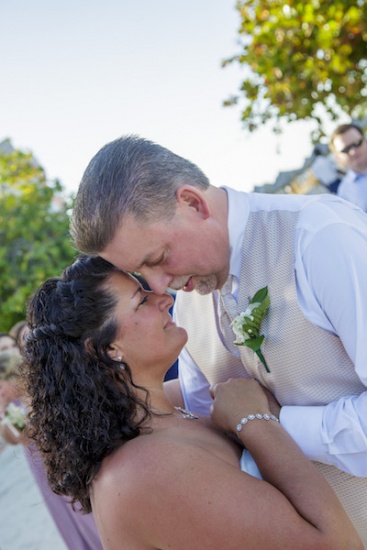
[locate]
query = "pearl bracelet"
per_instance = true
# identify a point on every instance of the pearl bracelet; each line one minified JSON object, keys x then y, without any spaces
{"x":257,"y":416}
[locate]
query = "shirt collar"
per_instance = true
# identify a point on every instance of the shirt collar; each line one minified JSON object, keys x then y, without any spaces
{"x":354,"y":177}
{"x":238,"y":213}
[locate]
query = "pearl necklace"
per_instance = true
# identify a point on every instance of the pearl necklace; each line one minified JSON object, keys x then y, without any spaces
{"x":186,"y":414}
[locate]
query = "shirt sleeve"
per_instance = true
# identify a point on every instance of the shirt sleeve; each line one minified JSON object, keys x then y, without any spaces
{"x":334,"y":434}
{"x":194,"y":385}
{"x":331,"y":273}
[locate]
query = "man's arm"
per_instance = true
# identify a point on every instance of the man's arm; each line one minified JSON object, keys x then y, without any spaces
{"x":333,"y":434}
{"x":333,"y":296}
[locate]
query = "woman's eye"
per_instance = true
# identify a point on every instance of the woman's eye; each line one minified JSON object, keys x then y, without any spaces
{"x":145,"y":299}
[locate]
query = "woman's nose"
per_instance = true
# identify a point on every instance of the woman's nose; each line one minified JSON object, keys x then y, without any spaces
{"x":165,"y":301}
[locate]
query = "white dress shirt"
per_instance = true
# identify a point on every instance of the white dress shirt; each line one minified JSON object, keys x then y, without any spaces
{"x":353,"y":188}
{"x":332,"y":294}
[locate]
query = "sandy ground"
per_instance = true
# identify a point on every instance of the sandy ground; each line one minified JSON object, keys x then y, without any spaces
{"x":25,"y":523}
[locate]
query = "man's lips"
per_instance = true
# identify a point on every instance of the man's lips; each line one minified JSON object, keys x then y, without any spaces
{"x":181,"y":282}
{"x":189,"y":286}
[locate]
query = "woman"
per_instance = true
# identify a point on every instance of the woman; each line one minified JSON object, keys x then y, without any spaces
{"x":157,"y":477}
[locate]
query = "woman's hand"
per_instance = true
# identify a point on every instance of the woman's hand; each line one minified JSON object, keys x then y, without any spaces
{"x":273,"y":403}
{"x":235,"y":399}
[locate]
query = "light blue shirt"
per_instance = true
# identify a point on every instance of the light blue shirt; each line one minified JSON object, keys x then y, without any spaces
{"x":332,"y":294}
{"x":353,"y":188}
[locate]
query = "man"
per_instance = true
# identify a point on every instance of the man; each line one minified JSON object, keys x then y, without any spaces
{"x":147,"y":210}
{"x":349,"y":147}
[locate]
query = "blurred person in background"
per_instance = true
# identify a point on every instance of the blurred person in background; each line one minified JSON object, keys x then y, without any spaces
{"x":19,"y":332}
{"x":9,"y":394}
{"x":349,"y":147}
{"x":7,"y":342}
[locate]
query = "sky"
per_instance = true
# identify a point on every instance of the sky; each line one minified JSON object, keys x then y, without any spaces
{"x":76,"y":74}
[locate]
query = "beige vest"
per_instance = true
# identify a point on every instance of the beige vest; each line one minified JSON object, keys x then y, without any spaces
{"x":308,"y":365}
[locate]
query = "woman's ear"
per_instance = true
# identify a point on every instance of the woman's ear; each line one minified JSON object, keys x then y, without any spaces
{"x":115,"y":353}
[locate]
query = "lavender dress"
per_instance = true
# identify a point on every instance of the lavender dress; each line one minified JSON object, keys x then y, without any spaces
{"x":78,"y":530}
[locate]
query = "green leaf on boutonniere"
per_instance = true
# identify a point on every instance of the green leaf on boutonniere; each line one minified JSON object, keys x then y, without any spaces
{"x":246,"y":325}
{"x":262,"y":297}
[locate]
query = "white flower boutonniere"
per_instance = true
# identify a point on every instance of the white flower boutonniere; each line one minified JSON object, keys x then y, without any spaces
{"x":246,"y":325}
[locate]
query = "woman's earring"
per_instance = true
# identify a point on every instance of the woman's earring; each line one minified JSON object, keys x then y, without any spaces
{"x":122,"y":366}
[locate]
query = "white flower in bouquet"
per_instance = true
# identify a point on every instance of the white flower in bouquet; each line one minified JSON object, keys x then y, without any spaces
{"x":14,"y":417}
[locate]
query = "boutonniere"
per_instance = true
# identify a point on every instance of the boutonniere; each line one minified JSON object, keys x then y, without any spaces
{"x":246,"y":325}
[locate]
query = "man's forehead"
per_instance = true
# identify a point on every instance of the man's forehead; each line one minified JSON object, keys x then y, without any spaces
{"x":348,"y":136}
{"x":133,"y":225}
{"x":133,"y":245}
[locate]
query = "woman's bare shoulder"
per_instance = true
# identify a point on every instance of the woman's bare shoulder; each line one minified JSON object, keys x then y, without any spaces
{"x":135,"y":484}
{"x":135,"y":462}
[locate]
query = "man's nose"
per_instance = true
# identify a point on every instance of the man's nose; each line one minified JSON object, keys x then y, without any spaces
{"x":157,"y":281}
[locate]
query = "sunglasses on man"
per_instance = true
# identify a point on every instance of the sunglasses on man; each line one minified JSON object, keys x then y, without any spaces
{"x":355,"y":145}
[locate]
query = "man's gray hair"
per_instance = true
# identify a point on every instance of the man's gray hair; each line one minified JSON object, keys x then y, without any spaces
{"x":130,"y":175}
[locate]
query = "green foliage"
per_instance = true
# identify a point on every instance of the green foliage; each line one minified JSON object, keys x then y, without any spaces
{"x":34,"y":238}
{"x":301,"y":58}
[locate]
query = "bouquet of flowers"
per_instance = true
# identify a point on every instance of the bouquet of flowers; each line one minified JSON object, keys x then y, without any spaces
{"x":14,"y":417}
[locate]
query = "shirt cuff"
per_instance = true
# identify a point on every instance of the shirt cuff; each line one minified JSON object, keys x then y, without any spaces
{"x":304,"y":425}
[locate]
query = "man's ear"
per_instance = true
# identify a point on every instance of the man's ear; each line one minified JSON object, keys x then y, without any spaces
{"x":192,"y":197}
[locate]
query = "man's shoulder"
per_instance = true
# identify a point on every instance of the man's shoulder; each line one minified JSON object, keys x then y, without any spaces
{"x":278,"y":202}
{"x":314,"y":211}
{"x":330,"y":213}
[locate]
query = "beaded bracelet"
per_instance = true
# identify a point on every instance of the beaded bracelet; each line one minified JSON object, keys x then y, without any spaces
{"x":257,"y":416}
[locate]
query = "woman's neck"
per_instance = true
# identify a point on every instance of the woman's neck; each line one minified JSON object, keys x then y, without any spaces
{"x":159,"y":401}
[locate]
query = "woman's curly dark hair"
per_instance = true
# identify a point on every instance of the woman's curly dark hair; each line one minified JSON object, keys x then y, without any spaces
{"x":83,"y":405}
